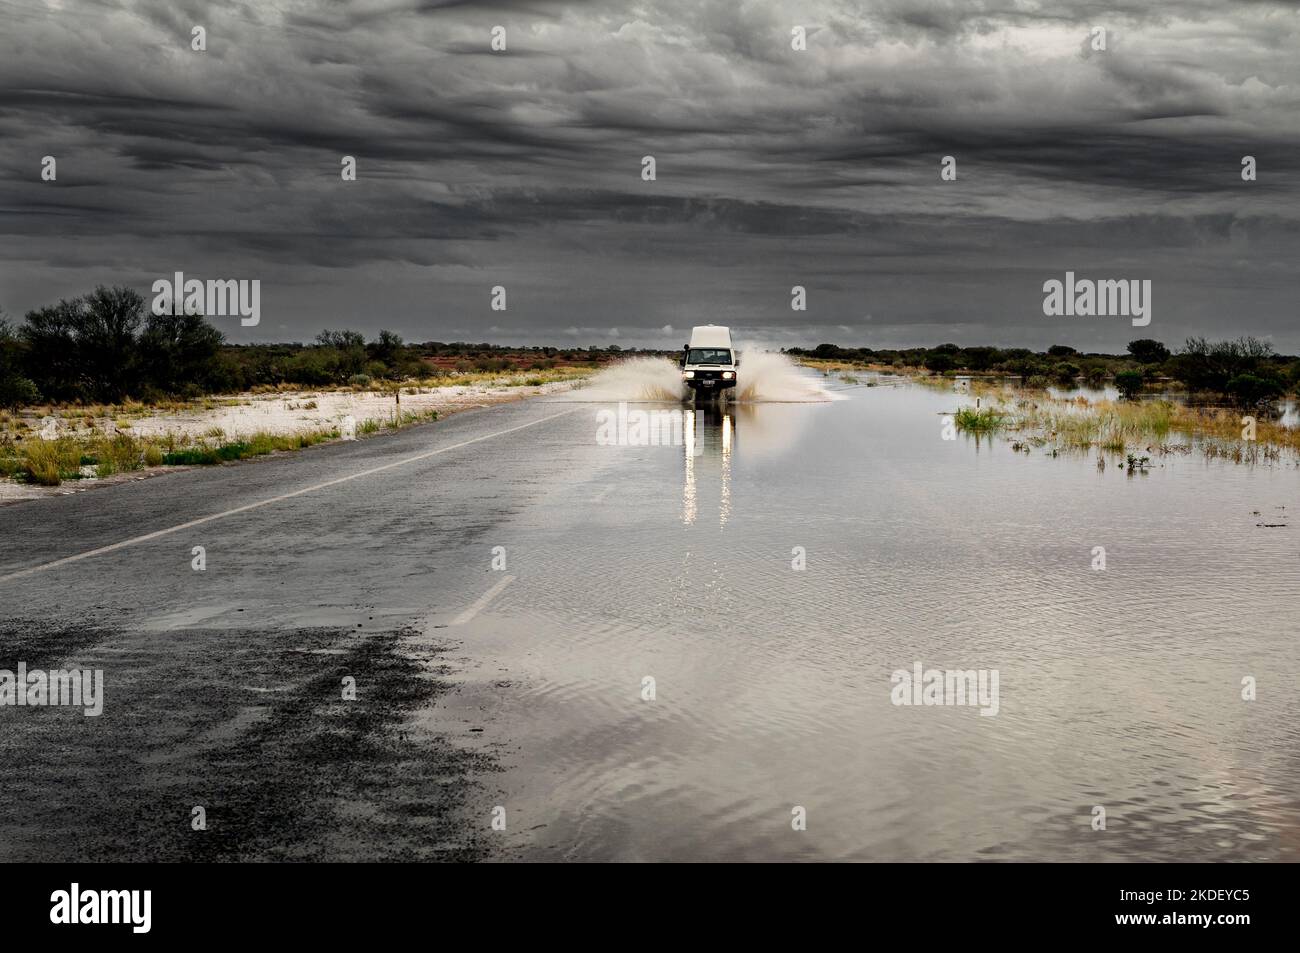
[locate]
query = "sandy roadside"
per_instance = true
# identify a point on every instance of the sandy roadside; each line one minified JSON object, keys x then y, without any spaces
{"x":242,"y":415}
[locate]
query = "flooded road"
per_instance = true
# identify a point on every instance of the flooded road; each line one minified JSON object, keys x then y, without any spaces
{"x":1120,"y":689}
{"x":665,"y":652}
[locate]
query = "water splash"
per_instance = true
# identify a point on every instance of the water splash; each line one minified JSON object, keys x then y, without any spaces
{"x":767,"y":376}
{"x":764,"y":376}
{"x":637,"y":378}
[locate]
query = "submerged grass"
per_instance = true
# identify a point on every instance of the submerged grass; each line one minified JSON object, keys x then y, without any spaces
{"x":985,"y":420}
{"x":1112,"y":426}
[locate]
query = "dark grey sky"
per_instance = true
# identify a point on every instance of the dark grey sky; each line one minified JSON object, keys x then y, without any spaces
{"x":775,"y":167}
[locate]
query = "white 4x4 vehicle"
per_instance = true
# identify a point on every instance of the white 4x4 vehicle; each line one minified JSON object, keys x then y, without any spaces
{"x":709,"y":363}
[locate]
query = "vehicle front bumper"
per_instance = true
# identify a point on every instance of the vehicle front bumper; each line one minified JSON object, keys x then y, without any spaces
{"x":708,"y":381}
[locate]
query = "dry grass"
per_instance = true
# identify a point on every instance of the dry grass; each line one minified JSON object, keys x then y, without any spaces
{"x":521,"y":378}
{"x":510,"y":378}
{"x":49,"y":462}
{"x":828,"y":367}
{"x":24,"y":456}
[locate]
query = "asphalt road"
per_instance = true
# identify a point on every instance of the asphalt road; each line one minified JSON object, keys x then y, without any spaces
{"x":224,"y":687}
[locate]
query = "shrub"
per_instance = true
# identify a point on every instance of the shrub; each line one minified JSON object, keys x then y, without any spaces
{"x":1249,"y":390}
{"x":978,"y":358}
{"x":16,"y":391}
{"x":1147,"y":351}
{"x":1066,"y":373}
{"x":313,"y":366}
{"x":1202,"y":365}
{"x":1129,"y":383}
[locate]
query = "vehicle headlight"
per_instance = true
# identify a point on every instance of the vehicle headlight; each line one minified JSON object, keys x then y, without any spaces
{"x":687,"y":375}
{"x":728,"y":375}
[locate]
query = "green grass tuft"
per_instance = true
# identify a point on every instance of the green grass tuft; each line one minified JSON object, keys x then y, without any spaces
{"x":979,"y":421}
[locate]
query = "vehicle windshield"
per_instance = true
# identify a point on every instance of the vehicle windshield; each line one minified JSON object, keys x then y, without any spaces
{"x":708,"y":355}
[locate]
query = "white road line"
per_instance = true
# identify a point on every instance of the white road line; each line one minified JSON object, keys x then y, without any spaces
{"x":483,"y":600}
{"x":275,"y":499}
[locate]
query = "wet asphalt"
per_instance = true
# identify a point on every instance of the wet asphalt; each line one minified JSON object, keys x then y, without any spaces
{"x":260,"y":707}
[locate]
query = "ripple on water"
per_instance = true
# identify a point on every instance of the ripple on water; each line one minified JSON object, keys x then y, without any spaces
{"x":1119,"y":689}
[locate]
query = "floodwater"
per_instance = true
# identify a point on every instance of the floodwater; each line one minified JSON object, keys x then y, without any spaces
{"x":688,"y":650}
{"x":773,"y":571}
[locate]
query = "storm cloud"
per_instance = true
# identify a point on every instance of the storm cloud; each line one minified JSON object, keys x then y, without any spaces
{"x":775,"y":167}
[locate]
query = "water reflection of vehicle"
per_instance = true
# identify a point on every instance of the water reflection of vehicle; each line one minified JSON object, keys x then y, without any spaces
{"x":710,"y":435}
{"x":712,"y":444}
